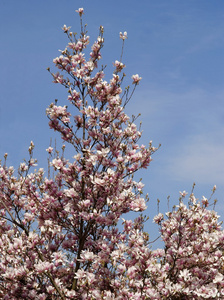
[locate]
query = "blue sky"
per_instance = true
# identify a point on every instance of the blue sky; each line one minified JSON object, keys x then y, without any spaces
{"x":177,"y":47}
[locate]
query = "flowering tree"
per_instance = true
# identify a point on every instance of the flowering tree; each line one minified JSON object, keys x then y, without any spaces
{"x":59,"y":235}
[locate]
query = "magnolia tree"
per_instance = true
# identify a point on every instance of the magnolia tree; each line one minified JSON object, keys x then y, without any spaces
{"x":59,"y":233}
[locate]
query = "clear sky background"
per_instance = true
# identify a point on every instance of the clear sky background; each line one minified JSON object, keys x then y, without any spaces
{"x":176,"y":46}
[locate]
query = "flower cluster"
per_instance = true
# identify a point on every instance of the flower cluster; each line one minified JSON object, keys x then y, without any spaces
{"x":193,"y":255}
{"x":59,"y":233}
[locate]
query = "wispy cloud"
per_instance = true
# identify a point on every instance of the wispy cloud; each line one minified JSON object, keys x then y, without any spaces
{"x":190,"y":126}
{"x":200,"y":158}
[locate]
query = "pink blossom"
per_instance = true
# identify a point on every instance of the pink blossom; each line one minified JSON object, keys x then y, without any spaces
{"x":80,"y":11}
{"x":157,"y":219}
{"x":119,"y":66}
{"x":65,"y":28}
{"x":183,"y":194}
{"x":23,"y":167}
{"x":49,"y":149}
{"x":136,"y":79}
{"x":124,"y":35}
{"x":139,"y":204}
